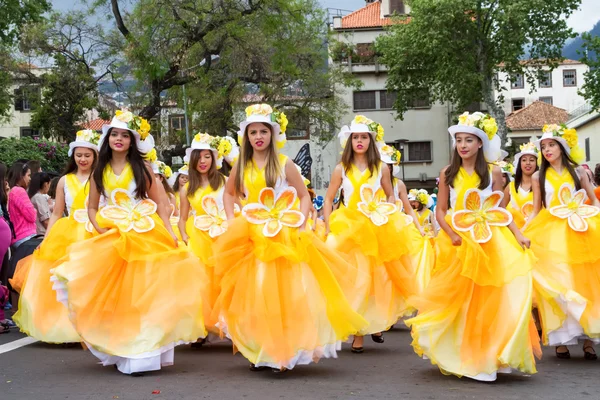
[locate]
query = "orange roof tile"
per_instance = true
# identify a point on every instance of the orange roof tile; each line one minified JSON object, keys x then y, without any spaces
{"x":366,"y":17}
{"x":535,"y":116}
{"x":95,"y":124}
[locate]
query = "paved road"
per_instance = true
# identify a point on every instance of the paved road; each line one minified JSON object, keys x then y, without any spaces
{"x":387,"y":371}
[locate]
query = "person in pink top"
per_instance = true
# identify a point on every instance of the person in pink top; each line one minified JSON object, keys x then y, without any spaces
{"x":21,"y":211}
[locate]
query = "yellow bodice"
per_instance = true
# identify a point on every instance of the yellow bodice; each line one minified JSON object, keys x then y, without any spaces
{"x":255,"y":180}
{"x":354,"y":179}
{"x":125,"y":181}
{"x":554,"y":181}
{"x":77,"y":192}
{"x":196,"y":199}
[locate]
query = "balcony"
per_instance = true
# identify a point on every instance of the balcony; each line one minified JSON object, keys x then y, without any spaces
{"x":366,"y":67}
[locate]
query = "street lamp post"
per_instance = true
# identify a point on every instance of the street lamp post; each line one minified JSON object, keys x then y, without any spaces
{"x":401,"y":143}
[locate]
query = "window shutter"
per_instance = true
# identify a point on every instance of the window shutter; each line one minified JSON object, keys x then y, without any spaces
{"x":18,"y":93}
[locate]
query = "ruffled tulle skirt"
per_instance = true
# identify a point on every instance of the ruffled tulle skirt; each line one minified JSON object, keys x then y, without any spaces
{"x":40,"y":315}
{"x":279,"y":301}
{"x":132,"y":297}
{"x":395,"y":259}
{"x":566,"y":278}
{"x":475,"y":316}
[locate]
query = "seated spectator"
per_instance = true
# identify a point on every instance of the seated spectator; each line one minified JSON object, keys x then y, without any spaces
{"x":38,"y":193}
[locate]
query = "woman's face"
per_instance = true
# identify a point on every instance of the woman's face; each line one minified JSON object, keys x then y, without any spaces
{"x":183,"y":179}
{"x":26,"y":179}
{"x":528,"y":164}
{"x":467,"y":145}
{"x":204,"y":162}
{"x":45,"y":187}
{"x":119,"y":140}
{"x":84,"y":158}
{"x":360,"y":142}
{"x":551,"y":150}
{"x":414,"y":204}
{"x":259,"y":136}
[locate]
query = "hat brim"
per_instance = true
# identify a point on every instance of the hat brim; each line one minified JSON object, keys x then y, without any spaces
{"x":521,"y":154}
{"x":76,"y":144}
{"x":546,"y":136}
{"x":491,"y":148}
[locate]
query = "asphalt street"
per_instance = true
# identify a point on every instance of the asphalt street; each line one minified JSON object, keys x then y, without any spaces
{"x":385,"y":371}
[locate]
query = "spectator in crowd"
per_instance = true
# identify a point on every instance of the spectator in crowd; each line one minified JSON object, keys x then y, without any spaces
{"x":21,"y":211}
{"x":6,"y":232}
{"x":35,"y":166}
{"x":52,"y":192}
{"x":38,"y":193}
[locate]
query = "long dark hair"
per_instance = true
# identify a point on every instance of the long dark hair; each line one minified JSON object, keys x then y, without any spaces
{"x":177,"y":185}
{"x":568,"y":163}
{"x":481,"y":169}
{"x":519,"y":171}
{"x":37,"y":182}
{"x":16,"y":172}
{"x":143,"y":178}
{"x":3,"y":197}
{"x":373,"y":157}
{"x":215,"y":178}
{"x":72,"y":165}
{"x":166,"y":185}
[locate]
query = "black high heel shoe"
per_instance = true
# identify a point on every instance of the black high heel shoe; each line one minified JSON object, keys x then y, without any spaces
{"x":589,"y":356}
{"x":378,"y":338}
{"x":356,"y":350}
{"x":563,"y":355}
{"x":254,"y":368}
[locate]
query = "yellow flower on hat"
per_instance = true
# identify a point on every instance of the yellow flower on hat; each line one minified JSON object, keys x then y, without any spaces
{"x":462,"y":119}
{"x":570,"y":135}
{"x":124,"y":116}
{"x":260,"y":109}
{"x":361,"y":119}
{"x":144,"y":128}
{"x":380,"y":133}
{"x":151,"y":156}
{"x":224,"y":147}
{"x":490,"y":127}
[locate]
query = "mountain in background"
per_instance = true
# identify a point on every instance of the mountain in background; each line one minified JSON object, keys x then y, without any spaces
{"x":572,"y":47}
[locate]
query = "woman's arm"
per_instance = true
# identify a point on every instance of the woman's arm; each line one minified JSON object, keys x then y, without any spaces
{"x":497,"y":183}
{"x":506,"y":198}
{"x":386,"y":184}
{"x":59,"y":204}
{"x":157,"y":194}
{"x":184,"y":212}
{"x":407,"y":207}
{"x":442,"y":209}
{"x":587,"y":185}
{"x":23,"y":204}
{"x":334,"y":185}
{"x":229,"y":195}
{"x":93,"y":201}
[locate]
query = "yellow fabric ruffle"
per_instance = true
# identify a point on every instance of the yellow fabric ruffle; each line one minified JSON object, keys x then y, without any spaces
{"x":131,"y":293}
{"x":394,"y":257}
{"x":568,"y":271}
{"x":279,"y":296}
{"x":40,"y":315}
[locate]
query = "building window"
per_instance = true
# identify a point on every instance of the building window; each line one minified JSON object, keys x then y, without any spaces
{"x":518,"y":104}
{"x":569,"y":78}
{"x":419,"y":152}
{"x":365,"y":53}
{"x":546,"y":79}
{"x":547,"y":100}
{"x":397,"y":6}
{"x":26,"y":98}
{"x":365,"y":100}
{"x":28,"y":132}
{"x":177,"y":122}
{"x":587,"y":149}
{"x":517,"y":81}
{"x":387,"y":99}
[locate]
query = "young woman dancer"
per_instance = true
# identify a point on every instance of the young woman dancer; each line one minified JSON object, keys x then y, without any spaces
{"x":40,"y":315}
{"x":475,"y":315}
{"x":142,"y":296}
{"x":280,"y":302}
{"x":371,"y":232}
{"x":518,"y":195}
{"x":422,"y":202}
{"x":565,"y":234}
{"x":203,"y":197}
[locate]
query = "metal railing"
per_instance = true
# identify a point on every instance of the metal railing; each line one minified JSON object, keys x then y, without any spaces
{"x":579,"y":111}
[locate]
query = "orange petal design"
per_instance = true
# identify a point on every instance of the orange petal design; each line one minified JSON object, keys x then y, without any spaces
{"x":463,"y":220}
{"x":203,"y":222}
{"x":561,"y":211}
{"x":586,"y":211}
{"x":124,"y":225}
{"x":565,"y":193}
{"x":286,"y":199}
{"x":122,"y":198}
{"x":366,"y":193}
{"x":114,"y":213}
{"x":89,"y":227}
{"x":378,"y":218}
{"x":145,"y":207}
{"x":579,"y":197}
{"x":267,"y":197}
{"x":217,"y":230}
{"x":578,"y":223}
{"x":386,"y":208}
{"x":492,"y":201}
{"x":144,"y":224}
{"x":380,"y":195}
{"x":473,"y":200}
{"x":256,"y":213}
{"x":364,"y":208}
{"x":527,"y":209}
{"x":481,"y":232}
{"x":81,"y":215}
{"x":209,"y":204}
{"x":292,"y":218}
{"x":272,"y":228}
{"x":498,"y":217}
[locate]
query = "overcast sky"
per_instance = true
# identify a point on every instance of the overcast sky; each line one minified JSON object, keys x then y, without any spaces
{"x":581,"y":21}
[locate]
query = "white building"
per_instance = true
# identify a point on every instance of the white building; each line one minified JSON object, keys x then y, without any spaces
{"x":558,"y":87}
{"x":587,"y":122}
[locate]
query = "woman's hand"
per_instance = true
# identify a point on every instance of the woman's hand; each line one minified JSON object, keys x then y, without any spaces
{"x":185,"y":238}
{"x":456,"y":239}
{"x":175,"y":240}
{"x":523,"y":241}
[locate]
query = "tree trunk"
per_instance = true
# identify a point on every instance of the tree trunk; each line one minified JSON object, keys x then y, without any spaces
{"x":496,"y":110}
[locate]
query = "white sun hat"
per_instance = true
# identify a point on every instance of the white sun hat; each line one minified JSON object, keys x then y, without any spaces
{"x":85,"y":138}
{"x":265,"y":114}
{"x":526,"y":149}
{"x":360,"y":124}
{"x":484,"y":127}
{"x":204,"y":141}
{"x":138,"y":126}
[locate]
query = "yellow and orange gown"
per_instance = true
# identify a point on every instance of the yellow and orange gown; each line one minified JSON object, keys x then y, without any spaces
{"x":40,"y":315}
{"x":132,"y":295}
{"x":280,"y":302}
{"x":203,"y":230}
{"x":393,"y":257}
{"x":520,"y":204}
{"x":475,"y":316}
{"x":567,"y":275}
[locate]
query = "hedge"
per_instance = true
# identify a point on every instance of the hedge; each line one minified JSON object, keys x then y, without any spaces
{"x":53,"y":156}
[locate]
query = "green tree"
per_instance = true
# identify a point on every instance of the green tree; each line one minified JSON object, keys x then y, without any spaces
{"x":53,"y":156}
{"x":68,"y":91}
{"x":591,"y":86}
{"x":453,"y":48}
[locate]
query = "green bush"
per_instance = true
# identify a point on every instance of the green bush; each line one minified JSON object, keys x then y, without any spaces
{"x":53,"y":156}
